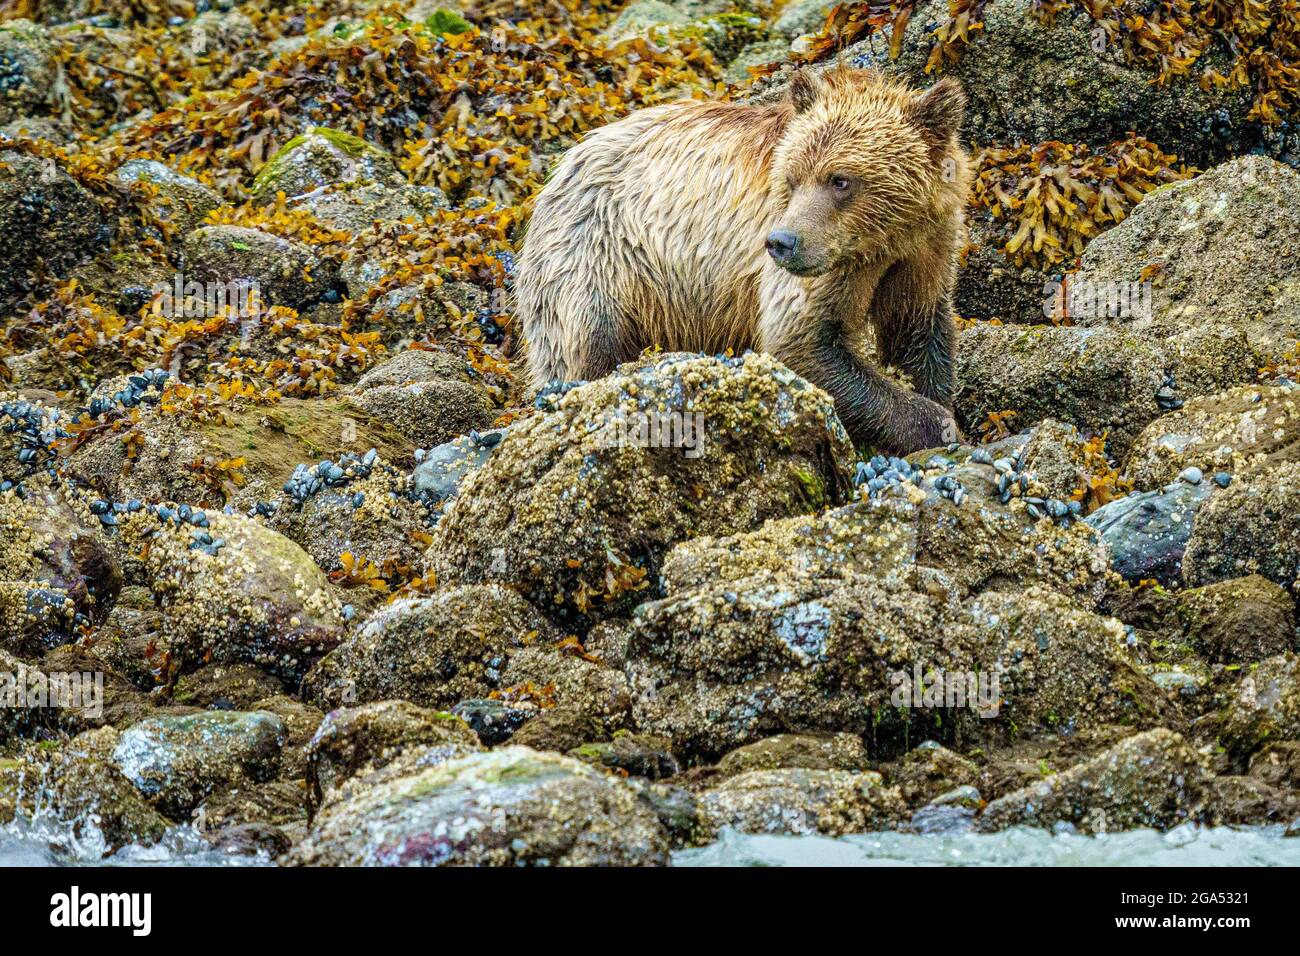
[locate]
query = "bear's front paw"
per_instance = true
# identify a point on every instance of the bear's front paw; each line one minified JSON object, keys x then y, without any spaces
{"x":933,"y":426}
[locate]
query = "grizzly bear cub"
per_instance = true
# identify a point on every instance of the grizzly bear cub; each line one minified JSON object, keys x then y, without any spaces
{"x":794,"y":228}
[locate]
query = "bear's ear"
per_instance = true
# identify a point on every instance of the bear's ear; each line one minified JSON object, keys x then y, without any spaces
{"x":803,"y":90}
{"x":939,"y":110}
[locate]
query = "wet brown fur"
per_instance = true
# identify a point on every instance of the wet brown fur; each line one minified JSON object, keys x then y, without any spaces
{"x":651,"y":232}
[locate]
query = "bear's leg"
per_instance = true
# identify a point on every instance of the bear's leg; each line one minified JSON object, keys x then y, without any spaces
{"x":912,"y":315}
{"x":877,"y":411}
{"x":922,"y":346}
{"x":577,"y":336}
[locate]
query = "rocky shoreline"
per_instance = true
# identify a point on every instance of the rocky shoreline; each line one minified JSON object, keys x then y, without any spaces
{"x":287,"y":560}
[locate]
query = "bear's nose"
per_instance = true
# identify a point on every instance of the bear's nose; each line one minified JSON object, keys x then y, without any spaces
{"x":781,"y":245}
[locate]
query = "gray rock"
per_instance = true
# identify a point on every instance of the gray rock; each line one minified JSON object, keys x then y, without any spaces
{"x":1228,"y":247}
{"x":178,"y":761}
{"x":509,"y":807}
{"x":1147,"y":532}
{"x":1155,"y":779}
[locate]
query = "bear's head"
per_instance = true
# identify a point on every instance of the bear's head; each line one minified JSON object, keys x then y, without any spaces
{"x":860,"y":166}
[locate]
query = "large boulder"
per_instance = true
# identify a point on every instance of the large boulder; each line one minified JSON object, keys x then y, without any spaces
{"x":1244,"y":429}
{"x":727,"y":663}
{"x":281,"y":271}
{"x":233,"y":590}
{"x":323,"y":157}
{"x":182,"y":203}
{"x":578,"y":505}
{"x":1155,"y":779}
{"x":56,"y":570}
{"x":1238,"y":621}
{"x":177,"y":761}
{"x":510,"y":807}
{"x":354,"y":740}
{"x":1226,"y":246}
{"x":433,"y":651}
{"x":1101,"y":380}
{"x":431,"y":397}
{"x":974,"y":545}
{"x":800,"y":802}
{"x":1251,"y":527}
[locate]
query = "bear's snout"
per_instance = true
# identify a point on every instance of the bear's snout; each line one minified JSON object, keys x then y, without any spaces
{"x":782,"y":245}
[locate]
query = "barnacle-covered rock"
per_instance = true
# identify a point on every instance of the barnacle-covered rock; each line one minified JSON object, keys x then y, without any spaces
{"x":1250,"y":527}
{"x":724,"y":664}
{"x":372,"y":519}
{"x":56,"y":571}
{"x":282,"y":272}
{"x":578,"y":505}
{"x":1238,"y":621}
{"x":973,"y":545}
{"x":233,"y":590}
{"x":356,"y":208}
{"x":48,"y":221}
{"x":96,"y":804}
{"x":930,"y":770}
{"x":510,"y":807}
{"x":1242,"y":430}
{"x":177,"y":761}
{"x":354,"y":740}
{"x":433,"y":651}
{"x":638,"y":755}
{"x":430,"y":397}
{"x":323,"y":157}
{"x":800,"y":801}
{"x":1101,"y":379}
{"x":241,"y":453}
{"x":28,"y":71}
{"x":1154,"y":779}
{"x":1263,"y":708}
{"x":1225,"y":245}
{"x":1056,"y":455}
{"x":797,"y":751}
{"x":180,"y":201}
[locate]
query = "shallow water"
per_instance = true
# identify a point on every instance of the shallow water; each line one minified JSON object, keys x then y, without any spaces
{"x":1188,"y":845}
{"x":43,"y":843}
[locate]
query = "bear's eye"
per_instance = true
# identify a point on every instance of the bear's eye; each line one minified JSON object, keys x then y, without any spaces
{"x":842,"y":185}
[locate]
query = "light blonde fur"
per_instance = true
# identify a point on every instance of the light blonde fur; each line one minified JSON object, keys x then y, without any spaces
{"x":651,"y":232}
